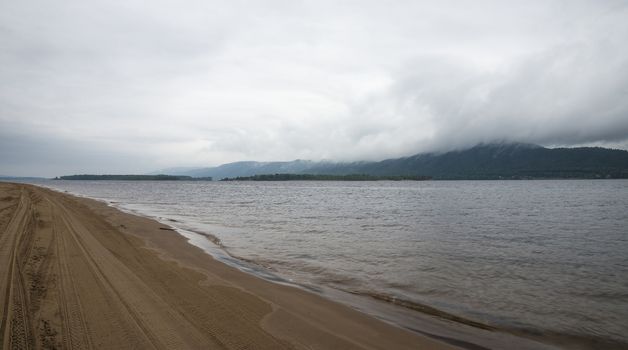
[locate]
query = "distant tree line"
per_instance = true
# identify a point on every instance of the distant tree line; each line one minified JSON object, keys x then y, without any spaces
{"x":133,"y":177}
{"x":318,"y":177}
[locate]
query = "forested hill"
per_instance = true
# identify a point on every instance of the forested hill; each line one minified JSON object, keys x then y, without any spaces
{"x":485,"y":161}
{"x":496,"y":161}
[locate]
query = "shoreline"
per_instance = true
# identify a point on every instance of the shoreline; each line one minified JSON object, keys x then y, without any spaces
{"x":433,"y":324}
{"x":421,"y":319}
{"x":85,"y":275}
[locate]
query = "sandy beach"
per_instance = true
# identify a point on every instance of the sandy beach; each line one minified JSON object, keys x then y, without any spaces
{"x":77,"y":273}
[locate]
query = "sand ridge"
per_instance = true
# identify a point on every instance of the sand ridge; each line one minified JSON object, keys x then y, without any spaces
{"x":77,"y":274}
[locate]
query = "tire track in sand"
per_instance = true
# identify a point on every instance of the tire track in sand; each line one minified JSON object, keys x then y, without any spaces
{"x":142,"y":315}
{"x":15,"y":328}
{"x":75,"y":331}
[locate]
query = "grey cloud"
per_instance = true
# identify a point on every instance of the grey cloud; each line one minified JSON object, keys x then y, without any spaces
{"x":563,"y":96}
{"x":139,"y":85}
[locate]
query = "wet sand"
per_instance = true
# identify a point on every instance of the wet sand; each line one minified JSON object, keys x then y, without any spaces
{"x":76,"y":273}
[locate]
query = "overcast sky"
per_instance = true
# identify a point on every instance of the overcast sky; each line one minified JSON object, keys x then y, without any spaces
{"x":134,"y":86}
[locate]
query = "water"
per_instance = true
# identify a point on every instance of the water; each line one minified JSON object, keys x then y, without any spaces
{"x":538,"y":257}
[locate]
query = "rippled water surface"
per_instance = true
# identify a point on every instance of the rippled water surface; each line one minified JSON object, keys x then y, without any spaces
{"x":540,"y":256}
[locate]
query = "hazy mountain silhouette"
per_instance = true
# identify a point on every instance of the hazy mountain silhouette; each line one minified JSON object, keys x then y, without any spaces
{"x":484,"y":161}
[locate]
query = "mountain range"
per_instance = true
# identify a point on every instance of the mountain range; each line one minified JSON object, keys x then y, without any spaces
{"x":484,"y":161}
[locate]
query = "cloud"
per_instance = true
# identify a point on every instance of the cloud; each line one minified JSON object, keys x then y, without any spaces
{"x":140,"y":85}
{"x":567,"y":95}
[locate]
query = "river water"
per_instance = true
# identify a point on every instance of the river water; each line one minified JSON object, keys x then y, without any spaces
{"x":535,"y":257}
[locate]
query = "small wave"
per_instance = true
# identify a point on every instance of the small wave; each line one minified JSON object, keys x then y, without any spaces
{"x":210,"y":237}
{"x":610,"y":295}
{"x":426,"y":309}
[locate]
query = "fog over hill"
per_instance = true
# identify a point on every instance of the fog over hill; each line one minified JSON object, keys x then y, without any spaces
{"x":484,"y":161}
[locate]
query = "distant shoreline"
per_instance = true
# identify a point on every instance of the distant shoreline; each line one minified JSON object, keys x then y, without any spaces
{"x":133,"y":178}
{"x":315,"y":177}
